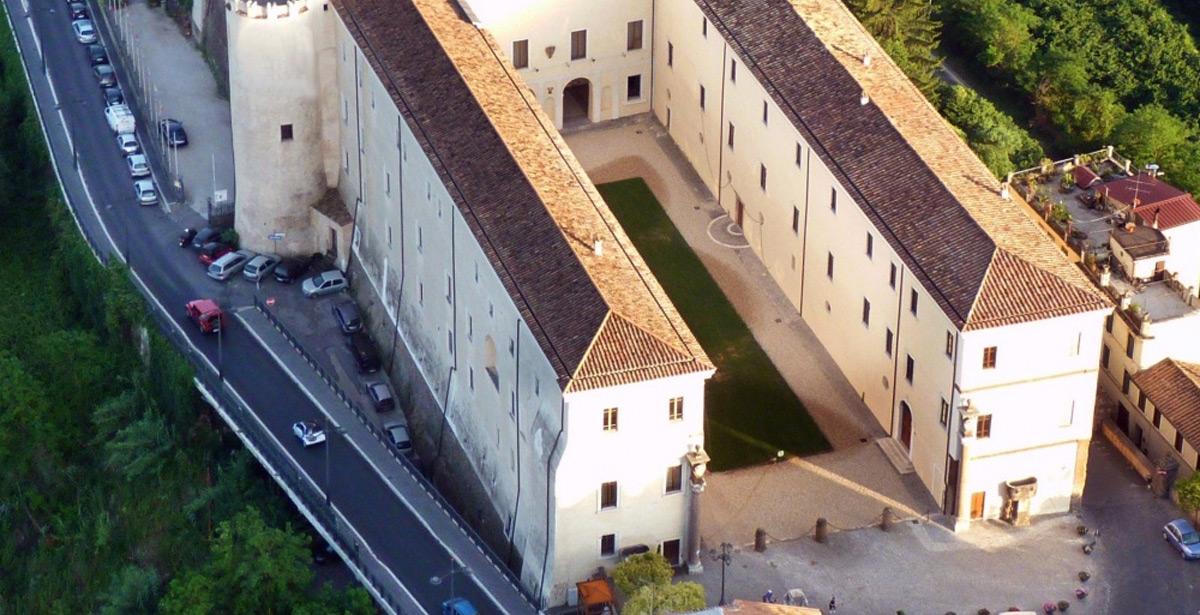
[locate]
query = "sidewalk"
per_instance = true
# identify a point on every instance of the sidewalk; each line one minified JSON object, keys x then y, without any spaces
{"x":171,"y":79}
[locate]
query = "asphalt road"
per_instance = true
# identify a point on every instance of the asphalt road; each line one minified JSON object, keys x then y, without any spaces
{"x":147,"y":235}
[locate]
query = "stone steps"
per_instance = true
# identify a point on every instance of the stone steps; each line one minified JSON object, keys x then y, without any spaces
{"x":896,"y":454}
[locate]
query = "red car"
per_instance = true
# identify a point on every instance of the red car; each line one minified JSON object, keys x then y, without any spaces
{"x":206,"y":314}
{"x":212,"y":251}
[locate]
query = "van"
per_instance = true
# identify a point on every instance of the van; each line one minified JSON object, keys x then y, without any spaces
{"x":120,"y":119}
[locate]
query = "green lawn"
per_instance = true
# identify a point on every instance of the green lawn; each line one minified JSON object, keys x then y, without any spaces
{"x":750,"y":411}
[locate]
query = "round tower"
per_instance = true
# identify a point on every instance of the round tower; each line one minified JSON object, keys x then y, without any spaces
{"x":274,"y":99}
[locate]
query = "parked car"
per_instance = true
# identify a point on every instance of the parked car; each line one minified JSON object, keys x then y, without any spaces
{"x":212,"y":251}
{"x":105,"y":75}
{"x":128,"y":143}
{"x":259,"y":267}
{"x":85,"y":32}
{"x":309,"y":432}
{"x":78,"y":10}
{"x":347,"y":316}
{"x":185,"y":238}
{"x":324,"y":283}
{"x":398,"y":435}
{"x":172,"y":132}
{"x":114,"y":96}
{"x":206,"y":314}
{"x":381,"y":396}
{"x":120,"y":119}
{"x":144,"y":190}
{"x":458,"y":606}
{"x":97,"y":53}
{"x":138,"y":165}
{"x":365,"y":355}
{"x":223,"y":268}
{"x":207,"y":235}
{"x":291,"y":269}
{"x":1183,"y":537}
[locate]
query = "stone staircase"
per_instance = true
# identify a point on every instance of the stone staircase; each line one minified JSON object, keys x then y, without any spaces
{"x":896,"y":454}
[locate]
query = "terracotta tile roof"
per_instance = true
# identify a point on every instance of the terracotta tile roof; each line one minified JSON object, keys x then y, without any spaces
{"x":934,"y":201}
{"x":523,"y":194}
{"x":1084,"y":177}
{"x":1153,"y":198}
{"x":747,"y":607}
{"x":624,"y":353}
{"x":1174,"y":388}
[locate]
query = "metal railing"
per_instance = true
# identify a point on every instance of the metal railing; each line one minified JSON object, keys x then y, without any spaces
{"x":404,"y":461}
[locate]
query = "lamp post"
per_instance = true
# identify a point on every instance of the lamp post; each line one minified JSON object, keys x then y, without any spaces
{"x":698,"y":462}
{"x":455,"y":568}
{"x":725,"y":558}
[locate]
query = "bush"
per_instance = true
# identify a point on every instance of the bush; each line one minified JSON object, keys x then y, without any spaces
{"x":659,"y":598}
{"x":1189,"y":492}
{"x":230,"y":237}
{"x":642,"y":570}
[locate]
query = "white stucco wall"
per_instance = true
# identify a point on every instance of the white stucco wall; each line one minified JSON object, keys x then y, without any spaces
{"x":1185,"y":254}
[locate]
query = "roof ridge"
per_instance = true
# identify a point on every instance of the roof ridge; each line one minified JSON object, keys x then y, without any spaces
{"x":622,"y":347}
{"x":1015,"y":289}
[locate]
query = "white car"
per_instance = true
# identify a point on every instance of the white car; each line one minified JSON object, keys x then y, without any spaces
{"x":326,"y":283}
{"x":223,"y":268}
{"x":85,"y":31}
{"x":129,"y":144}
{"x":259,"y":266}
{"x":309,"y":432}
{"x":144,"y":190}
{"x":138,"y":165}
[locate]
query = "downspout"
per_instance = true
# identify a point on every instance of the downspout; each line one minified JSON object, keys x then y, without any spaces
{"x":442,"y":430}
{"x":517,"y":432}
{"x":358,"y":138}
{"x":950,"y":422}
{"x":804,"y":237}
{"x":562,"y":417}
{"x":721,"y":130}
{"x":653,"y":4}
{"x":896,"y":351}
{"x":403,"y":260}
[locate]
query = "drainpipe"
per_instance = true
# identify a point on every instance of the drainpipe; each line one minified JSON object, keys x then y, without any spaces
{"x":358,"y":137}
{"x":403,"y":260}
{"x":442,"y":430}
{"x":562,"y":421}
{"x":511,"y":530}
{"x":896,"y":350}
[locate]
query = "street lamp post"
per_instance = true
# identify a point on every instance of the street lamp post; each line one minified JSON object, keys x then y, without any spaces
{"x":455,"y":568}
{"x":725,"y":557}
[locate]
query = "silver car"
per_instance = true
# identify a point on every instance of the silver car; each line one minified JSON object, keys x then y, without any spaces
{"x":144,"y":190}
{"x":85,"y":32}
{"x":223,"y":268}
{"x":259,"y":267}
{"x":129,"y":144}
{"x":326,"y":283}
{"x":138,"y":165}
{"x":398,"y":433}
{"x":309,"y":432}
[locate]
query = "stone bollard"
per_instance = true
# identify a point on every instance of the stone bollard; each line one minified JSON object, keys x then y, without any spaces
{"x":760,"y":540}
{"x":822,"y":530}
{"x":888,"y":519}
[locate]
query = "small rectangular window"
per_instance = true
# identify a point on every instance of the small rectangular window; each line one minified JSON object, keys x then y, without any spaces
{"x":520,"y":53}
{"x":704,"y":27}
{"x":892,"y":276}
{"x":285,"y":132}
{"x":610,"y":419}
{"x":675,"y":409}
{"x":579,"y":44}
{"x":944,"y":414}
{"x":733,"y":71}
{"x":670,"y":54}
{"x":989,"y":357}
{"x":674,"y":479}
{"x":389,"y":235}
{"x":866,"y":313}
{"x":1179,"y":441}
{"x":796,"y":220}
{"x":870,"y":245}
{"x":983,"y":426}
{"x":633,"y":35}
{"x":910,"y":367}
{"x":387,"y":183}
{"x":1129,"y":343}
{"x":450,"y":340}
{"x":633,"y":87}
{"x":764,"y":115}
{"x":950,"y":343}
{"x":1108,"y":323}
{"x":730,"y":135}
{"x":702,"y":97}
{"x":1104,"y":356}
{"x":829,"y":266}
{"x":608,"y":495}
{"x":1125,"y":384}
{"x":762,"y":177}
{"x":449,"y":289}
{"x":913,"y":298}
{"x":1142,"y":401}
{"x":833,"y":200}
{"x":887,"y":342}
{"x":608,"y":545}
{"x":1157,"y":418}
{"x":799,"y":155}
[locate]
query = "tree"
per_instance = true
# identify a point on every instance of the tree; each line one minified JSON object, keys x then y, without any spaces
{"x":994,"y":136}
{"x":354,"y":601}
{"x":661,"y":598}
{"x":1001,"y":29}
{"x":1188,"y":491}
{"x":132,"y":591}
{"x":1150,"y":134}
{"x":640,"y":571}
{"x":909,"y":33}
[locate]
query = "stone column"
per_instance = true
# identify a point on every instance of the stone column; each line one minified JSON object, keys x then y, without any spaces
{"x":962,"y":517}
{"x":694,"y":564}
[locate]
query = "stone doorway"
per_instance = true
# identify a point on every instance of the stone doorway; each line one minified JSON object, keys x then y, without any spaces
{"x":577,"y":103}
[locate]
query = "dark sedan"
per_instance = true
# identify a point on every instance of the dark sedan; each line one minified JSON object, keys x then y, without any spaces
{"x":114,"y":96}
{"x":105,"y":75}
{"x":347,"y":316}
{"x":173,"y":133}
{"x":78,"y":10}
{"x":292,"y":269}
{"x":365,"y":355}
{"x":97,"y":54}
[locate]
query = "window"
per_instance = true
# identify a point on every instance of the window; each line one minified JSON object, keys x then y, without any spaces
{"x":912,"y":301}
{"x":633,"y":35}
{"x":1179,"y":441}
{"x":1104,"y":356}
{"x":733,"y":71}
{"x":633,"y":87}
{"x":870,"y":245}
{"x":866,"y":313}
{"x":764,"y":113}
{"x":892,"y":276}
{"x":702,"y":98}
{"x":608,"y":495}
{"x":285,"y":132}
{"x":1142,"y":401}
{"x":420,"y":293}
{"x":950,"y":343}
{"x":1108,"y":322}
{"x":450,"y":341}
{"x":608,"y":545}
{"x":833,"y":200}
{"x":520,"y":54}
{"x":989,"y":357}
{"x":983,"y":426}
{"x":387,"y":183}
{"x":1157,"y":418}
{"x":674,"y":479}
{"x":1129,"y":341}
{"x":675,"y":409}
{"x":944,"y":415}
{"x":762,"y":177}
{"x":449,"y":289}
{"x":1125,"y":386}
{"x":887,"y":342}
{"x":420,"y":238}
{"x":579,"y":44}
{"x":670,"y":54}
{"x":799,"y":155}
{"x":730,"y":135}
{"x":704,"y":27}
{"x":829,"y":266}
{"x":796,"y":220}
{"x":610,"y":419}
{"x":910,"y":366}
{"x":389,"y":236}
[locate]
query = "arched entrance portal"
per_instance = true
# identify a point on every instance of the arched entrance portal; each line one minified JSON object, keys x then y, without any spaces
{"x":577,"y":102}
{"x":906,"y":426}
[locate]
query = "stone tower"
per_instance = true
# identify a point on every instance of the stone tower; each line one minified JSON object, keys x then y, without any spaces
{"x":275,"y":104}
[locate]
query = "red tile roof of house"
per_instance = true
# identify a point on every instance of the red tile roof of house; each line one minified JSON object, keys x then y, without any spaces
{"x":1151,"y":197}
{"x":1084,"y":177}
{"x":1174,"y":389}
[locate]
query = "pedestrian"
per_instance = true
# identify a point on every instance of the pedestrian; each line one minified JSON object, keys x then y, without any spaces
{"x":833,"y":604}
{"x":769,"y":597}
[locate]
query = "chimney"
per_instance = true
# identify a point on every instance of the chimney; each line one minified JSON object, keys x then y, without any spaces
{"x":598,"y":247}
{"x":1105,"y":277}
{"x":1156,"y":212}
{"x":864,"y":99}
{"x":866,"y":59}
{"x":1004,"y":192}
{"x":1126,"y":300}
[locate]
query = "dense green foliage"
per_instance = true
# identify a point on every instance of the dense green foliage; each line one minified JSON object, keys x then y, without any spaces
{"x":641,"y":570}
{"x":908,"y":32}
{"x":1085,"y":64}
{"x":1001,"y":144}
{"x":1188,"y":491}
{"x":112,"y":473}
{"x":685,"y":597}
